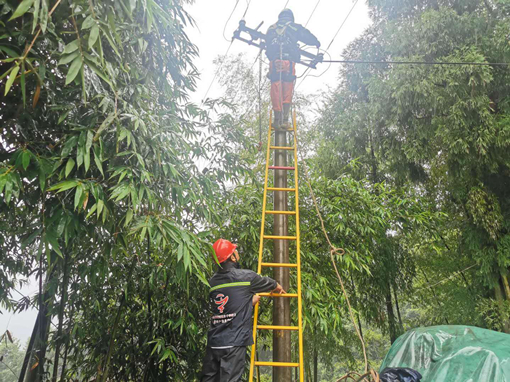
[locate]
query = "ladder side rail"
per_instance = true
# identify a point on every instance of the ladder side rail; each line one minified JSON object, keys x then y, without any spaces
{"x":298,"y":254}
{"x":261,"y":247}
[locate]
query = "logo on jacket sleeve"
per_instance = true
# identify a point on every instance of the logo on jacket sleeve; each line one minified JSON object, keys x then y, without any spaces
{"x":221,"y":300}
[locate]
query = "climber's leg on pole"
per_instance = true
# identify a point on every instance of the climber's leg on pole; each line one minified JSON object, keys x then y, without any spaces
{"x":288,"y":92}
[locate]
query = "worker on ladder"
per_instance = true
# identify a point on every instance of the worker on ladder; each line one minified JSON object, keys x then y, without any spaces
{"x":232,"y":297}
{"x":283,"y":52}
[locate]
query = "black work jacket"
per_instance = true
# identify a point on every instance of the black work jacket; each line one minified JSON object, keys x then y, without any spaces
{"x":231,"y":296}
{"x":282,"y":40}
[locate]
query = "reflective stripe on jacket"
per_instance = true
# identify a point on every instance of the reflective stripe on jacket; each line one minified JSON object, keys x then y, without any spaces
{"x":230,"y":297}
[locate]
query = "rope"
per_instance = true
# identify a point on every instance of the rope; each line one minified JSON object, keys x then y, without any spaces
{"x":340,"y":252}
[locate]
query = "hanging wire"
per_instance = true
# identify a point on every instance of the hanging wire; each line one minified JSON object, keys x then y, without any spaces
{"x":331,"y":43}
{"x":248,"y":3}
{"x":341,"y":25}
{"x":316,"y":5}
{"x":226,"y":23}
{"x":457,"y":63}
{"x":217,"y":71}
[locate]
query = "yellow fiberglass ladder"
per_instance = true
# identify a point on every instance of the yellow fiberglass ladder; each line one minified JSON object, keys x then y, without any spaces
{"x":297,"y":265}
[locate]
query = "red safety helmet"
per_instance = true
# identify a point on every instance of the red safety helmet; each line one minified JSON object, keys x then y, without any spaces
{"x":223,"y":249}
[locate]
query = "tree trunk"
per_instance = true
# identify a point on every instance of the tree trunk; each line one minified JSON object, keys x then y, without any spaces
{"x":30,"y":348}
{"x":506,"y":286}
{"x":35,"y":374}
{"x":391,"y":317}
{"x":401,"y":328}
{"x":60,"y":317}
{"x":66,"y":351}
{"x":104,"y":375}
{"x":504,"y":316}
{"x":315,"y":365}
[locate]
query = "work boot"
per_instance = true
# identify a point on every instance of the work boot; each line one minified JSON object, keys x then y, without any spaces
{"x":277,"y":119}
{"x":285,"y":116}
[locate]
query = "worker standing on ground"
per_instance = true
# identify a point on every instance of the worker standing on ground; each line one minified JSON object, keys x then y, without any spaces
{"x":232,"y":297}
{"x":283,"y":51}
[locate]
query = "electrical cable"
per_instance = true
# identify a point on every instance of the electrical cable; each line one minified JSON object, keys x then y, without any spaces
{"x":226,"y":23}
{"x":341,"y":25}
{"x":287,"y":3}
{"x":217,"y":72}
{"x":247,"y":7}
{"x":332,"y":40}
{"x":419,"y":63}
{"x":316,"y":5}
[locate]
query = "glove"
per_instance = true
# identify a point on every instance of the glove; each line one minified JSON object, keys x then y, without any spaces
{"x":318,"y":45}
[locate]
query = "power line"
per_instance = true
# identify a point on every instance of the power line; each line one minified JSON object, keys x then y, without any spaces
{"x":418,"y":63}
{"x":229,"y":17}
{"x":339,"y":29}
{"x":316,"y":5}
{"x":248,"y":2}
{"x":287,"y":3}
{"x":332,"y":40}
{"x":217,"y":71}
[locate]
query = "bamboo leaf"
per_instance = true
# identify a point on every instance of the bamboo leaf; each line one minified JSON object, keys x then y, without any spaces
{"x":77,"y":196}
{"x":37,"y":5}
{"x":52,"y":240}
{"x":94,"y":34}
{"x":88,"y":23}
{"x":69,"y":166}
{"x":91,"y":211}
{"x":43,"y":19}
{"x":66,"y":59}
{"x":74,"y":70}
{"x":26,"y":159}
{"x":71,"y":47}
{"x":9,"y":51}
{"x":63,"y":186}
{"x":129,"y":216}
{"x":22,"y":9}
{"x":11,"y":79}
{"x":36,"y":95}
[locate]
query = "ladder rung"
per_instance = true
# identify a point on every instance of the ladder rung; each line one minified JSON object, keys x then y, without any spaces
{"x":280,"y":237}
{"x":282,"y":168}
{"x":277,"y":364}
{"x":289,"y":295}
{"x":281,"y":129}
{"x":281,"y":212}
{"x":279,"y":265}
{"x":282,"y":147}
{"x":277,"y":327}
{"x":281,"y":189}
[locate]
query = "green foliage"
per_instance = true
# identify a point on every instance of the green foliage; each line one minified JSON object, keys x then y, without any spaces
{"x":102,"y":195}
{"x":11,"y":358}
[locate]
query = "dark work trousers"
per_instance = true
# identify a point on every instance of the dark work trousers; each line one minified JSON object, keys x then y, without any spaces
{"x":224,"y":365}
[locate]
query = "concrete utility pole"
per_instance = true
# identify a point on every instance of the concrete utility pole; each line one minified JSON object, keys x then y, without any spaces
{"x":281,"y":306}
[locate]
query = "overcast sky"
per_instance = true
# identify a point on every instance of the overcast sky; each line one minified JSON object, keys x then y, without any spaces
{"x":210,"y":17}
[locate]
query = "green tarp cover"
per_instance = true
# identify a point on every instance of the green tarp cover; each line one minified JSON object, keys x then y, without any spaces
{"x":453,"y":353}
